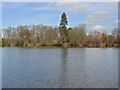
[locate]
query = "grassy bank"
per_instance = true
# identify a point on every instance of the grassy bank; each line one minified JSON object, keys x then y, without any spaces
{"x":64,"y":45}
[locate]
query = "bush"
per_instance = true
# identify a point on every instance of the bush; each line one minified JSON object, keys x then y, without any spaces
{"x":59,"y":44}
{"x":3,"y":42}
{"x":22,"y":43}
{"x":17,"y":44}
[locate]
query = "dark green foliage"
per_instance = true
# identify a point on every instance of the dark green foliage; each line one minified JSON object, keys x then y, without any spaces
{"x":22,"y":43}
{"x":63,"y":29}
{"x":118,"y":39}
{"x":59,"y":44}
{"x":3,"y":42}
{"x":19,"y":43}
{"x":63,"y":23}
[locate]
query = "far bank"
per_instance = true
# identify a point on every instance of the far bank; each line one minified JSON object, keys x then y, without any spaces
{"x":63,"y":45}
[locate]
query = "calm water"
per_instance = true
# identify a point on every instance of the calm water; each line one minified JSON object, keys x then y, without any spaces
{"x":60,"y":68}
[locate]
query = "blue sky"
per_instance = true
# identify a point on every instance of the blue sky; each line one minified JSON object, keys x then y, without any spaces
{"x":97,"y":16}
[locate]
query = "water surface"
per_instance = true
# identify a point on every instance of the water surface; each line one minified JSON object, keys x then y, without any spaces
{"x":60,"y":67}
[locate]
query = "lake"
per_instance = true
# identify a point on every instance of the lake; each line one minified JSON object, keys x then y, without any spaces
{"x":59,"y":67}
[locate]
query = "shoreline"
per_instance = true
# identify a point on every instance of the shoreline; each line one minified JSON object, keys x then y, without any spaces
{"x":64,"y":45}
{"x":59,"y":47}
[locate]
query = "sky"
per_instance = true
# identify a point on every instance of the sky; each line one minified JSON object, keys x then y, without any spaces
{"x":98,"y":16}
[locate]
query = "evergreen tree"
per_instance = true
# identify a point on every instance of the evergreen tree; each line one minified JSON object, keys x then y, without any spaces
{"x":63,"y":23}
{"x":62,"y":27}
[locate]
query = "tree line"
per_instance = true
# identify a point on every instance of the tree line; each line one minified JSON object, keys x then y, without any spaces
{"x":43,"y":35}
{"x":40,"y":35}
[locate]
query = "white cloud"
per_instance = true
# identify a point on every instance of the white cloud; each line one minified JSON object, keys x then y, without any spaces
{"x":116,"y":22}
{"x":113,"y":4}
{"x":100,"y":28}
{"x":41,"y":8}
{"x":72,"y":6}
{"x":97,"y":17}
{"x":89,"y":23}
{"x":78,"y":8}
